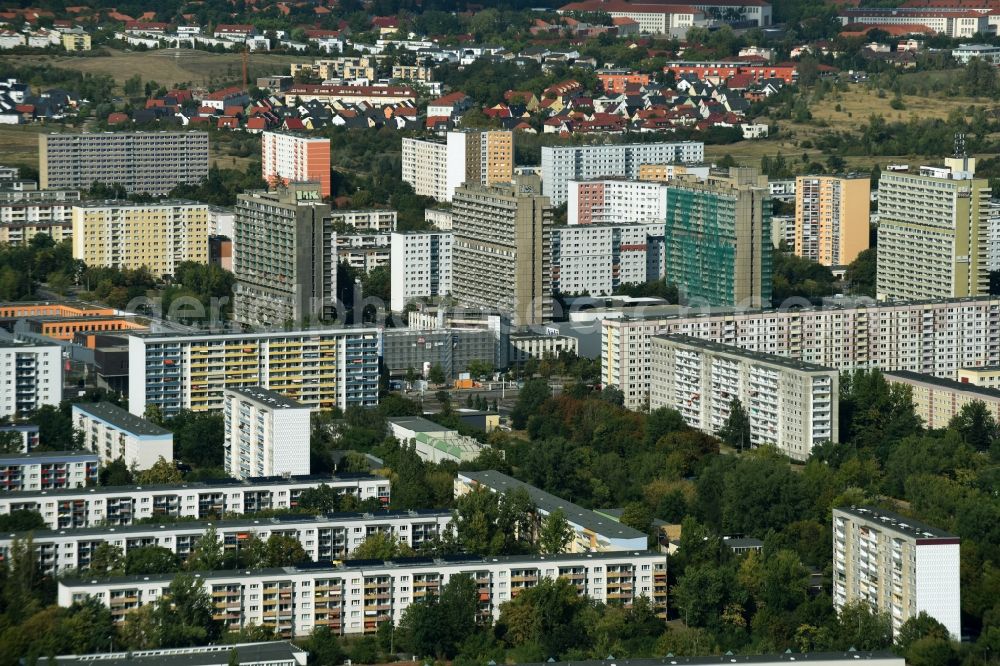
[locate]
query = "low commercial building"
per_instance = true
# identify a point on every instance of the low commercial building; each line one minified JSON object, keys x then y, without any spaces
{"x":936,"y":400}
{"x":593,"y":533}
{"x":115,"y":434}
{"x":406,"y":349}
{"x":324,"y":538}
{"x":47,"y":470}
{"x":897,"y":565}
{"x":537,"y":346}
{"x":783,"y":659}
{"x":434,"y":442}
{"x":358,"y":597}
{"x":124,"y":505}
{"x":30,"y":377}
{"x":791,"y":405}
{"x":271,"y":653}
{"x":267,"y":434}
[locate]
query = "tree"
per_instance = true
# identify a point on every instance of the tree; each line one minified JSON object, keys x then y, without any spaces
{"x":22,"y":520}
{"x":324,"y":648}
{"x":381,"y":546}
{"x":555,"y":533}
{"x":183,"y":616}
{"x":116,"y":473}
{"x":860,"y":274}
{"x":10,"y":442}
{"x":736,"y":430}
{"x":917,"y":627}
{"x":162,"y":472}
{"x":549,"y":614}
{"x":529,"y":399}
{"x":207,"y":554}
{"x":439,"y":625}
{"x":282,"y":550}
{"x":860,"y":627}
{"x":107,"y":560}
{"x":436,"y":374}
{"x":490,"y":523}
{"x":637,"y":516}
{"x":320,"y":499}
{"x":150,"y":560}
{"x":976,"y":425}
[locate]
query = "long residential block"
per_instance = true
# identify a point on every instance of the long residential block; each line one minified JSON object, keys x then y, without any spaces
{"x":936,"y":401}
{"x":114,"y":433}
{"x":124,"y":505}
{"x":47,"y":470}
{"x":791,"y":405}
{"x":935,"y":337}
{"x":320,"y":368}
{"x":897,"y":565}
{"x":324,"y":538}
{"x":361,"y":595}
{"x":27,"y":213}
{"x":271,"y":653}
{"x":151,"y":162}
{"x":593,"y":533}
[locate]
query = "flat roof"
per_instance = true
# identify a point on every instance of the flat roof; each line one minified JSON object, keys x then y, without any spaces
{"x":548,"y":502}
{"x":267,"y":397}
{"x":897,"y":522}
{"x":851,"y":655}
{"x":220,"y":484}
{"x":950,"y":384}
{"x":288,"y":520}
{"x":203,"y":337}
{"x":762,"y":357}
{"x":46,"y":457}
{"x":353,"y":566}
{"x":417,"y":424}
{"x":210,"y":655}
{"x":122,"y":419}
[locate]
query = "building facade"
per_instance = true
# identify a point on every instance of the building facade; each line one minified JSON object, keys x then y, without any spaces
{"x":47,"y":470}
{"x":151,"y":162}
{"x":454,"y":349}
{"x":831,"y":218}
{"x":376,"y":220}
{"x":420,"y":266}
{"x":115,"y":434}
{"x":30,"y":377}
{"x":126,"y":505}
{"x":897,"y":565}
{"x":284,"y":257}
{"x":435,"y":168}
{"x":267,"y":434}
{"x":615,"y":200}
{"x":985,"y":376}
{"x":596,"y":259}
{"x":561,"y":164}
{"x":128,"y":236}
{"x":502,"y":249}
{"x":320,"y":368}
{"x":27,"y":213}
{"x":936,"y":401}
{"x":717,"y":239}
{"x":287,"y":158}
{"x":932,"y":234}
{"x":791,"y":405}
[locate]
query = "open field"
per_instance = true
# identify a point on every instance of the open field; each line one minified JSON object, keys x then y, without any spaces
{"x":168,"y":67}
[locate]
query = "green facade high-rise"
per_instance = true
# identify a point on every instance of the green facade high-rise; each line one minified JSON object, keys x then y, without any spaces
{"x":718,"y":239}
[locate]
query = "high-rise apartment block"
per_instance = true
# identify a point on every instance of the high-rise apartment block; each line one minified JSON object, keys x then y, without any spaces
{"x":284,"y":257}
{"x":932,"y":235}
{"x":267,"y":434}
{"x":321,"y":368}
{"x":151,"y":162}
{"x":896,"y":565}
{"x":831,"y":218}
{"x":157,"y":236}
{"x":47,"y":470}
{"x":435,"y":168}
{"x":615,"y":200}
{"x":420,"y":266}
{"x":596,"y":259}
{"x":30,"y":377}
{"x":25,"y":213}
{"x":931,"y":337}
{"x":287,"y":158}
{"x":717,"y":239}
{"x":561,"y":164}
{"x":791,"y":405}
{"x":116,"y":434}
{"x":501,"y":251}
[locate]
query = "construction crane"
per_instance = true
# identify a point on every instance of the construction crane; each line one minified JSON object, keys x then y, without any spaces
{"x":245,"y":57}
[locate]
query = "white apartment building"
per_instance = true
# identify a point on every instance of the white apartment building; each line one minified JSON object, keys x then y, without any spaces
{"x":420,"y":266}
{"x":435,"y":168}
{"x":125,"y":505}
{"x":320,"y":368}
{"x":896,"y":565}
{"x":270,"y":653}
{"x":115,"y":434}
{"x":356,"y":599}
{"x":324,"y":538}
{"x":550,"y":344}
{"x":993,"y":236}
{"x":30,"y":377}
{"x":596,"y":259}
{"x":47,"y":470}
{"x":614,"y":201}
{"x":266,"y":433}
{"x":791,"y":405}
{"x":375,"y":220}
{"x":958,"y":24}
{"x":26,"y":213}
{"x":561,"y":164}
{"x":931,"y":337}
{"x":364,"y":252}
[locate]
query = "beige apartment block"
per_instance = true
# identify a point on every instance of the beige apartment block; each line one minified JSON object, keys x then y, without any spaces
{"x":831,"y":218}
{"x":987,"y":376}
{"x":936,"y":401}
{"x":157,"y":236}
{"x":435,"y":168}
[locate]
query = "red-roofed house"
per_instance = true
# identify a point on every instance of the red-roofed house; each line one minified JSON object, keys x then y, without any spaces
{"x":437,"y":123}
{"x":117,"y":118}
{"x":146,"y":28}
{"x":452,"y":104}
{"x":256,"y":124}
{"x":228,"y":122}
{"x":234,"y":32}
{"x":386,"y":24}
{"x":294,"y":124}
{"x":232,"y":96}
